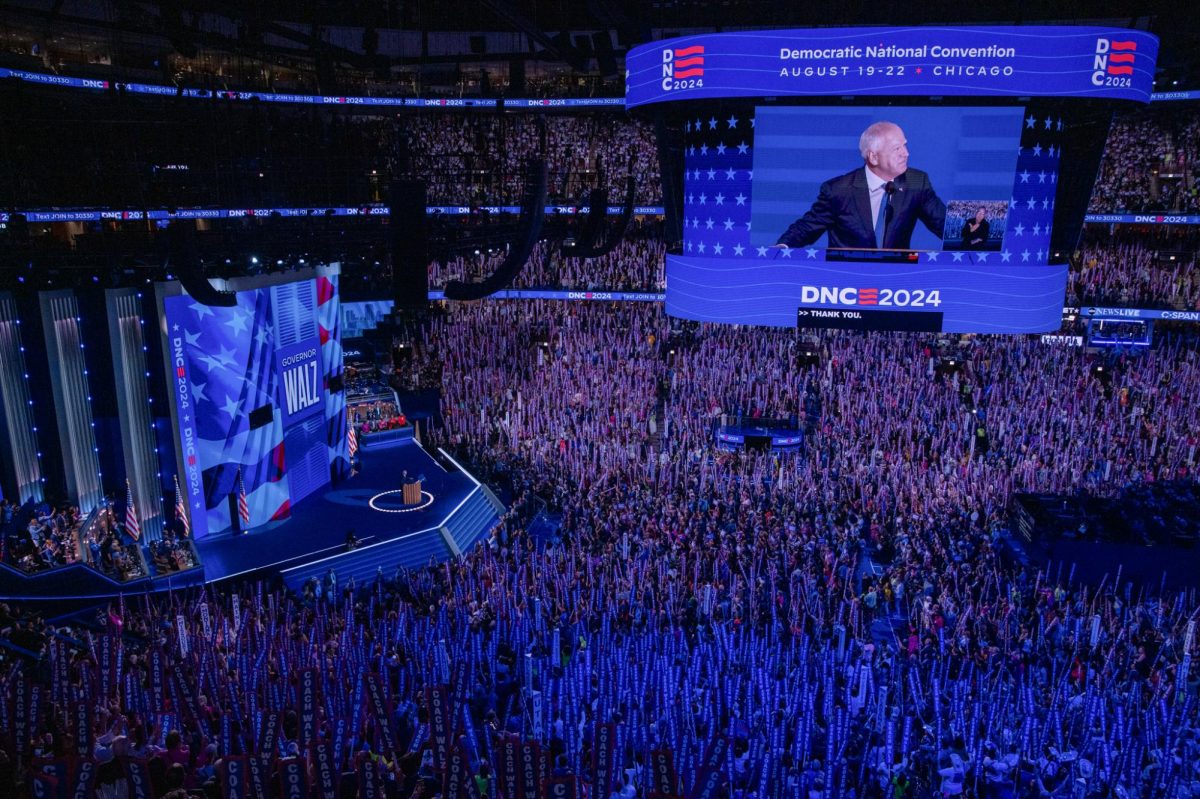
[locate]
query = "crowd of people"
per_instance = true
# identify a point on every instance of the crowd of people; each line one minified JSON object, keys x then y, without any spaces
{"x":37,"y":536}
{"x":1136,"y":270}
{"x":1149,"y":162}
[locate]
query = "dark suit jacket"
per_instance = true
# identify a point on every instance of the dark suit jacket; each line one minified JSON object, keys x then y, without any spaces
{"x":843,"y":210}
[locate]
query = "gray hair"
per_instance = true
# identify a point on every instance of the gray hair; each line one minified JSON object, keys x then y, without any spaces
{"x":872,"y":137}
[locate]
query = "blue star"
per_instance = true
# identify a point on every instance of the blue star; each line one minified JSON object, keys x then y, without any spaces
{"x":1037,"y":230}
{"x":697,"y":125}
{"x":211,"y":362}
{"x":1039,"y":255}
{"x":811,"y":252}
{"x":712,"y":174}
{"x":743,"y":148}
{"x":700,"y":247}
{"x":200,"y":310}
{"x":1046,"y":204}
{"x":720,"y":148}
{"x":703,"y":149}
{"x":732,"y":121}
{"x":957,"y":257}
{"x":730,"y":174}
{"x":198,"y":391}
{"x":738,"y":249}
{"x":1030,"y":121}
{"x":741,"y":198}
{"x":175,"y":329}
{"x":691,"y":198}
{"x":193,"y":339}
{"x":982,"y":257}
{"x":728,"y":224}
{"x":933,"y":255}
{"x":720,"y":198}
{"x":762,"y":252}
{"x":237,"y":322}
{"x":1019,"y":230}
{"x":687,"y":126}
{"x":747,"y":226}
{"x":787,"y":252}
{"x":1042,"y":176}
{"x":1025,"y":255}
{"x":1025,"y":176}
{"x":689,"y":246}
{"x":1037,"y":150}
{"x":225,"y":356}
{"x":708,"y":223}
{"x":750,"y":174}
{"x":712,"y":124}
{"x":1005,"y":256}
{"x":1032,"y":202}
{"x":703,"y":198}
{"x":752,"y":122}
{"x":718,"y":249}
{"x":1054,"y":177}
{"x":1049,"y":122}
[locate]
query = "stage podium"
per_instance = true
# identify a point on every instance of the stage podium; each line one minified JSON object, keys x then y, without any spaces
{"x":412,"y":492}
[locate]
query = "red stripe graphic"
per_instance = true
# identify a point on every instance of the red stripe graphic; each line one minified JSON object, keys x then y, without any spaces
{"x":1120,"y":70}
{"x":699,"y":50}
{"x":697,"y":72}
{"x":1124,"y":45}
{"x":699,"y":61}
{"x":1121,"y":58}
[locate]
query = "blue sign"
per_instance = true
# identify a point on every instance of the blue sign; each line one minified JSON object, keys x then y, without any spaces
{"x":965,"y":292}
{"x":1144,"y":219}
{"x":1117,"y":314}
{"x":300,"y":385}
{"x":162,"y":214}
{"x":1031,"y":61}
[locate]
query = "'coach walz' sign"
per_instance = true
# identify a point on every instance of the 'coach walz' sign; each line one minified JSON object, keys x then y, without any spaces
{"x":299,"y":370}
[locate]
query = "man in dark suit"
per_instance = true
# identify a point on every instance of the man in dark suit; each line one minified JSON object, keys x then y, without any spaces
{"x":876,"y":206}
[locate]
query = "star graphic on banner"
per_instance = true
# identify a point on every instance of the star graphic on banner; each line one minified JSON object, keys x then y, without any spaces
{"x":691,"y":198}
{"x":703,"y":149}
{"x":747,"y":226}
{"x":193,"y":339}
{"x":728,"y":224}
{"x":237,"y":322}
{"x":1031,"y":203}
{"x":1039,"y":255}
{"x":1019,"y":230}
{"x":198,"y":391}
{"x":730,"y":173}
{"x":1051,"y":151}
{"x":687,"y":126}
{"x":1037,"y":230}
{"x":689,"y":246}
{"x":708,"y":223}
{"x":1054,"y":177}
{"x":1025,"y":176}
{"x":231,"y":407}
{"x":750,"y":174}
{"x":712,"y":124}
{"x":738,"y":249}
{"x":691,"y":150}
{"x":718,"y":249}
{"x":1037,"y":150}
{"x":1042,"y":176}
{"x":731,"y":122}
{"x":175,"y":329}
{"x":211,"y":362}
{"x":1049,"y":122}
{"x":700,"y":247}
{"x":741,"y":198}
{"x":762,"y":252}
{"x":811,"y":252}
{"x":187,"y":418}
{"x":712,"y":174}
{"x":983,"y":257}
{"x":1012,"y":203}
{"x":697,"y":124}
{"x":1030,"y":121}
{"x":201,"y":311}
{"x":787,"y":252}
{"x":1060,"y":123}
{"x":720,"y":148}
{"x":225,"y":356}
{"x":1005,"y":256}
{"x":696,"y":222}
{"x":1020,"y":151}
{"x":957,"y":257}
{"x":697,"y":174}
{"x":703,"y":198}
{"x":720,"y":198}
{"x":1025,"y":255}
{"x":1046,"y":204}
{"x":743,"y":148}
{"x":933,"y":255}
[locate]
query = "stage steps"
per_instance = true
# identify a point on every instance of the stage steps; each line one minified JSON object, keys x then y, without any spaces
{"x":410,"y":552}
{"x":473,"y":520}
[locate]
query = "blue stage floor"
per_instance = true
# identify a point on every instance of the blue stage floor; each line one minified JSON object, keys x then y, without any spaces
{"x":319,"y":524}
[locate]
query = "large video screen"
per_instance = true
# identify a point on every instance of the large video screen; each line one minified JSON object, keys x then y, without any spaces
{"x":899,"y":217}
{"x":943,"y":164}
{"x":249,"y":389}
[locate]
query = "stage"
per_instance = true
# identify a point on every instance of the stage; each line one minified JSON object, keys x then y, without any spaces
{"x":456,"y":512}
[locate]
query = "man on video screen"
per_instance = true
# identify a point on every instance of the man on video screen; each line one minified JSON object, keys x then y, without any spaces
{"x":876,"y":206}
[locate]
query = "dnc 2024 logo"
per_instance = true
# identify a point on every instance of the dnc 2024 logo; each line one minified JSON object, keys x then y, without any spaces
{"x":1113,"y":63}
{"x":683,"y":68}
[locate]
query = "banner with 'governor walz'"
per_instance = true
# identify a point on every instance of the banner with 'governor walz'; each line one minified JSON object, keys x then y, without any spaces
{"x":1032,"y":61}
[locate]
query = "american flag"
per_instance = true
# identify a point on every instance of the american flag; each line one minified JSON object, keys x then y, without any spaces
{"x":243,"y":503}
{"x":132,"y":526}
{"x":352,"y":439}
{"x":181,"y":509}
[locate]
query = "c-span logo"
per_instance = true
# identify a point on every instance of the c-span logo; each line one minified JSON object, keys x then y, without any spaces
{"x":1113,"y":59}
{"x":683,"y":68}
